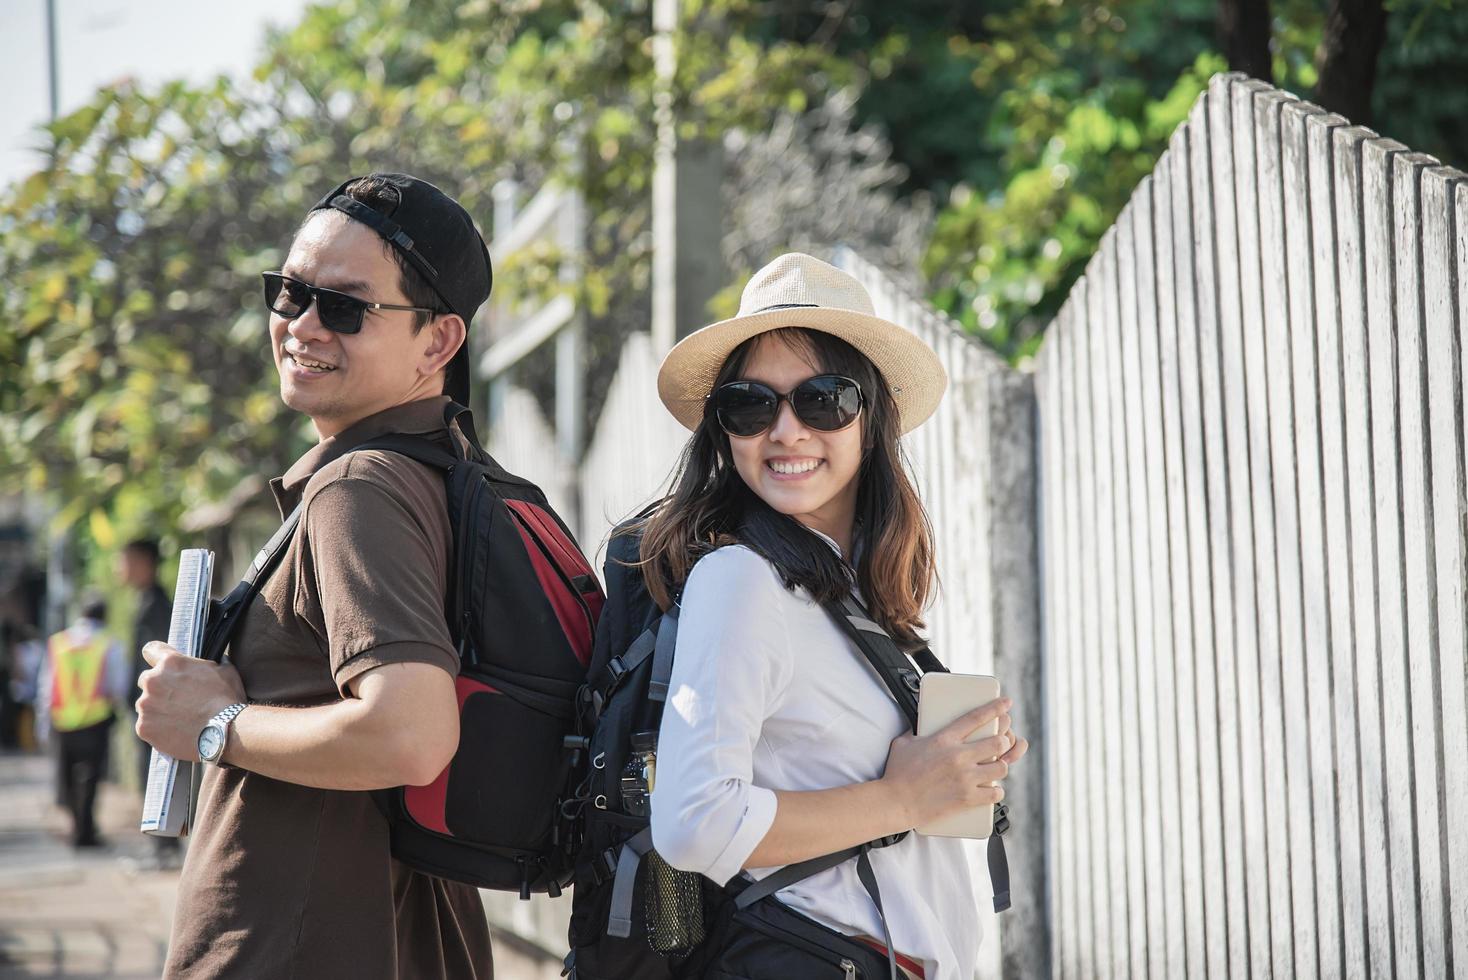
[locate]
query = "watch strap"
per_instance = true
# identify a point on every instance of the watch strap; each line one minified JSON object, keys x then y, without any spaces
{"x":223,"y":720}
{"x":228,"y":714}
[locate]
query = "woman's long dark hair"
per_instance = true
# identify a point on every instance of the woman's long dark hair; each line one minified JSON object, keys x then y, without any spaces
{"x":711,"y":506}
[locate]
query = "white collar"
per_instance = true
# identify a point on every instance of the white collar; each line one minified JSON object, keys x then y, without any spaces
{"x":826,"y":538}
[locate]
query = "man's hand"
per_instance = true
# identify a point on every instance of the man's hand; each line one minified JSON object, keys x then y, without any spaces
{"x":180,"y":695}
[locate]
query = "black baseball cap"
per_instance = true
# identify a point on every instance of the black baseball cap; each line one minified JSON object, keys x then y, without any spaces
{"x":434,"y":233}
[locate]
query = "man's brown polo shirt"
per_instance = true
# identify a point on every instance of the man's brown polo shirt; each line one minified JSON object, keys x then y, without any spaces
{"x":284,"y":880}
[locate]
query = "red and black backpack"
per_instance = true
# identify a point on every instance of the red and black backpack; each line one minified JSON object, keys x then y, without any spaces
{"x":522,"y":609}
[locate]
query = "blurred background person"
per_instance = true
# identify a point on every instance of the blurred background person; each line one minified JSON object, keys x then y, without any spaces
{"x":9,"y":705}
{"x":83,"y":677}
{"x":138,"y":569}
{"x":26,"y":653}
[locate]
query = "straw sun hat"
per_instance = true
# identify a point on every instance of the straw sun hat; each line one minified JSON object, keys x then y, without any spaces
{"x":797,"y":290}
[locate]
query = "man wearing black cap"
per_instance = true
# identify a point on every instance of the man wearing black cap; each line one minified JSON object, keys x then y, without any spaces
{"x":341,"y":678}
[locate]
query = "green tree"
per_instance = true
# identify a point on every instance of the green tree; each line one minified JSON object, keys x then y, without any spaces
{"x":137,"y":378}
{"x":1085,"y":96}
{"x":138,"y":386}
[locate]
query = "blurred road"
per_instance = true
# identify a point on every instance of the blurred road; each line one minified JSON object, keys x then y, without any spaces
{"x":66,"y":913}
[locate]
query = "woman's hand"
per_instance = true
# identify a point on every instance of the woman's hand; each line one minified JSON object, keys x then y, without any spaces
{"x":939,"y":774}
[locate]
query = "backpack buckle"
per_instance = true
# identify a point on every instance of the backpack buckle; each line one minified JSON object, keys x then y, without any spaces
{"x":910,"y":679}
{"x":607,"y":868}
{"x":1001,"y":818}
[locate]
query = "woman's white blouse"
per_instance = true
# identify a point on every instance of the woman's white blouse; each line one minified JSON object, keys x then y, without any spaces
{"x":768,"y":694}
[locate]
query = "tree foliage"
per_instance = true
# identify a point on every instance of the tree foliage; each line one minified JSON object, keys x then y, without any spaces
{"x":138,"y":386}
{"x":135,"y":381}
{"x":1083,"y":97}
{"x":136,"y":365}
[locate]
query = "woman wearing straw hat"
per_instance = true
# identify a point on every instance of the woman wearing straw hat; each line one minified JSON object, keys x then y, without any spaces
{"x":779,"y":743}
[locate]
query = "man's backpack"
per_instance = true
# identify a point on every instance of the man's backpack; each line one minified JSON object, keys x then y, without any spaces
{"x":630,"y":910}
{"x":522,"y":609}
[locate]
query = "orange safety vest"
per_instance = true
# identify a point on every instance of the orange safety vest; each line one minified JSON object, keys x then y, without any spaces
{"x":78,"y":678}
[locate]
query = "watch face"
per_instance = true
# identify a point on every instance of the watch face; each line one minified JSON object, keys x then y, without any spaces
{"x":211,"y":742}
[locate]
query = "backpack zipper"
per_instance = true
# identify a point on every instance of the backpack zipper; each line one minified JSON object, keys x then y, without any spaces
{"x":848,"y":969}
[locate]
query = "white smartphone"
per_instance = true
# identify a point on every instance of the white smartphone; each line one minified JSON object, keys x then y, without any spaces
{"x":942,"y":699}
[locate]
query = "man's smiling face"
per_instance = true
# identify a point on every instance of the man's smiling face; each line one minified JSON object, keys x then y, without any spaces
{"x":338,"y":379}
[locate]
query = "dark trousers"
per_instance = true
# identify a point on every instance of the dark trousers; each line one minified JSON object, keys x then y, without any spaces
{"x":81,"y":762}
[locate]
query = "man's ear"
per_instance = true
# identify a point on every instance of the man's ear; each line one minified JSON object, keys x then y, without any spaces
{"x":447,"y":336}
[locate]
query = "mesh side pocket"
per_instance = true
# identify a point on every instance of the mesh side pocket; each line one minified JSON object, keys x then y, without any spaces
{"x":673,"y":907}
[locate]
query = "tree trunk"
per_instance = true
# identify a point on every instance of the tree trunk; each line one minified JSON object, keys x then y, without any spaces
{"x":1346,"y":59}
{"x":1244,"y":30}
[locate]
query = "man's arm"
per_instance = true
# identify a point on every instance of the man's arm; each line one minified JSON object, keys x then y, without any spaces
{"x":398,"y":727}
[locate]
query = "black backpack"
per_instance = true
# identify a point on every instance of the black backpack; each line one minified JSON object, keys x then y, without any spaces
{"x":630,"y":909}
{"x":523,"y":611}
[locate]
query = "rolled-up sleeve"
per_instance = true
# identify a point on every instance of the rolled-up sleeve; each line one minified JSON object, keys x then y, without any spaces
{"x":374,"y":577}
{"x":730,"y":673}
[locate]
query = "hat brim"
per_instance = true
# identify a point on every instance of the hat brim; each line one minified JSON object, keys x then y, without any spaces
{"x":910,"y":367}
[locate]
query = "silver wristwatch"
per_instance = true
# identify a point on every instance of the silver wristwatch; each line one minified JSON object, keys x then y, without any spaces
{"x":215,"y":735}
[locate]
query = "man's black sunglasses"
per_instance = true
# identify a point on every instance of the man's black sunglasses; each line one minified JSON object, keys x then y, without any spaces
{"x":338,"y":312}
{"x":827,"y":402}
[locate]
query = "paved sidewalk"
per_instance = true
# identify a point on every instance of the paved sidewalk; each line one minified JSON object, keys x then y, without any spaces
{"x":74,"y":914}
{"x":66,"y":913}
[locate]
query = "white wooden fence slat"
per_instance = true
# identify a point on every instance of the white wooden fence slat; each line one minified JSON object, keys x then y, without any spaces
{"x":1366,"y":689}
{"x":1057,"y":744}
{"x":1446,"y":320}
{"x":1344,"y":942}
{"x":1220,"y":380}
{"x":1073,"y":929}
{"x":1287,"y":299}
{"x":1157,"y":694}
{"x":1280,"y":668}
{"x":1301,"y":196}
{"x":1247,"y":809}
{"x":1126,"y":655}
{"x":1263,"y":747}
{"x":1182,"y":854}
{"x":1381,"y":330}
{"x":1442,"y":345}
{"x":1196,"y":329}
{"x":1417,"y":549}
{"x":1099,"y":907}
{"x":1119,"y":789}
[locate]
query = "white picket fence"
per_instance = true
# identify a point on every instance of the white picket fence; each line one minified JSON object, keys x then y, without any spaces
{"x":1252,"y":449}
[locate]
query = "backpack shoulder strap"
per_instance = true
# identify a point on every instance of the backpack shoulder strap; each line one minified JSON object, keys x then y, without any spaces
{"x":891,"y":664}
{"x":413,"y":447}
{"x":898,"y":673}
{"x":231,"y":608}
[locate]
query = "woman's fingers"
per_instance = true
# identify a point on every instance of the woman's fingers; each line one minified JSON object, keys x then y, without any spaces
{"x":992,"y":772}
{"x":1021,"y":746}
{"x":966,"y":724}
{"x":986,"y":795}
{"x":988,"y":749}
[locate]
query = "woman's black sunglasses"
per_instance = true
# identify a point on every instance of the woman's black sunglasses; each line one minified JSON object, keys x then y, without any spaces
{"x":338,"y":312}
{"x":827,"y":402}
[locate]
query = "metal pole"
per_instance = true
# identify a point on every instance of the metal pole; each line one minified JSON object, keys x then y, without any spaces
{"x":51,"y":59}
{"x":505,"y":194}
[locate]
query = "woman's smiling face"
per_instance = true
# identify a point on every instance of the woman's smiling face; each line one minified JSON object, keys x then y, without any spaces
{"x":803,"y":472}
